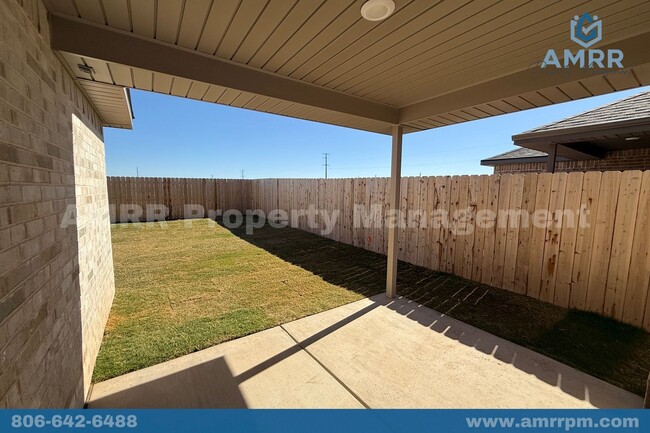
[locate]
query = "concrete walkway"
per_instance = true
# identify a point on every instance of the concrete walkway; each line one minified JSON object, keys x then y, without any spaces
{"x":372,"y":353}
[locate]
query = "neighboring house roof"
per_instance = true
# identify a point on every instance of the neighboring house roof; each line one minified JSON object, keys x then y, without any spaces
{"x":517,"y":153}
{"x":622,"y":124}
{"x":517,"y":156}
{"x":630,"y":108}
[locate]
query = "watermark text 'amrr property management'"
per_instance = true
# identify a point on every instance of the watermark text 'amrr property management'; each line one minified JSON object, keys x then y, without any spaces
{"x":459,"y":222}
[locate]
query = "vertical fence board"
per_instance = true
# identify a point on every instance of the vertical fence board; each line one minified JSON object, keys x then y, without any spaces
{"x":423,"y":241}
{"x":381,"y":207}
{"x":601,"y":247}
{"x":360,"y":203}
{"x":514,"y":222}
{"x":438,"y":233}
{"x":412,"y":228}
{"x":553,"y":237}
{"x":621,"y":252}
{"x":568,"y":237}
{"x":369,"y":197}
{"x":490,"y":230}
{"x":638,"y":282}
{"x":450,"y":241}
{"x":473,"y":199}
{"x":501,"y":234}
{"x":584,"y":239}
{"x":461,"y":225}
{"x":524,"y":250}
{"x":482,"y":195}
{"x":538,"y":236}
{"x":433,"y":231}
{"x":402,"y":239}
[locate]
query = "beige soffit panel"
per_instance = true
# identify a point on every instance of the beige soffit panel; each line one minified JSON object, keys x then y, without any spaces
{"x":116,"y":76}
{"x":434,"y":46}
{"x":112,"y":103}
{"x":90,"y":40}
{"x":432,"y":63}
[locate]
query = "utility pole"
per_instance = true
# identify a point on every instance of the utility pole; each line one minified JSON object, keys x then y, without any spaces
{"x":325,"y":155}
{"x":242,"y":174}
{"x":137,"y":172}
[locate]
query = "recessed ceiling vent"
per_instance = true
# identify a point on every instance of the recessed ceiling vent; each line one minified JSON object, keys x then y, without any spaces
{"x":86,"y":69}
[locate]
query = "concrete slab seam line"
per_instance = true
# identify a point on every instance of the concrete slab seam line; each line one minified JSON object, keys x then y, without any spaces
{"x":347,"y":388}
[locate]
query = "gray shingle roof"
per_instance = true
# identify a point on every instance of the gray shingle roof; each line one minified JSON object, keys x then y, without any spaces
{"x":633,"y":107}
{"x":630,"y":108}
{"x":517,"y":153}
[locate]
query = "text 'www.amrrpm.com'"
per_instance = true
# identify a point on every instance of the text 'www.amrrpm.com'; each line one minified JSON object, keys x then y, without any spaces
{"x":565,"y":423}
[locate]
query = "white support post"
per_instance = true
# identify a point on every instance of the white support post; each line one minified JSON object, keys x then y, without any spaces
{"x":395,"y":178}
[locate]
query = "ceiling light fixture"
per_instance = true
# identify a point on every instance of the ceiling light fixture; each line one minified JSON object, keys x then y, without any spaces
{"x":632,"y":138}
{"x":377,"y":10}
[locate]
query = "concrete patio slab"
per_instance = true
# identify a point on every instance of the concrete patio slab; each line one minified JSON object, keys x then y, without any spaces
{"x":263,"y":370}
{"x":400,"y":354}
{"x":373,"y":353}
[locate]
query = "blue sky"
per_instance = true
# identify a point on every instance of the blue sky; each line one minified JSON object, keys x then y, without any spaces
{"x":176,"y":137}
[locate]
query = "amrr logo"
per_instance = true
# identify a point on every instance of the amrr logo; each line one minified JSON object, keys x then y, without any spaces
{"x":585,"y":31}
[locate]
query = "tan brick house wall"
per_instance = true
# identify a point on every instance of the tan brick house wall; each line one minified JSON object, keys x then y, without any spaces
{"x":96,"y":278}
{"x":635,"y":159}
{"x":56,"y":282}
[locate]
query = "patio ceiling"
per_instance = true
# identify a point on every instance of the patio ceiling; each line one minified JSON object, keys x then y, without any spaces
{"x":430,"y":64}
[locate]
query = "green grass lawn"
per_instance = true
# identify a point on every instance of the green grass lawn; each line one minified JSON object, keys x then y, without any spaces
{"x":179,"y":290}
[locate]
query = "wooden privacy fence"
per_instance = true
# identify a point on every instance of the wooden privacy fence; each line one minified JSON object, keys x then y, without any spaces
{"x":592,"y":254}
{"x":127,"y":194}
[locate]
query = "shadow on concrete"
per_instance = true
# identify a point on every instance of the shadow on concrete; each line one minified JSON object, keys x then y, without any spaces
{"x":577,"y":384}
{"x":206,"y":385}
{"x":609,"y":350}
{"x":303,"y":344}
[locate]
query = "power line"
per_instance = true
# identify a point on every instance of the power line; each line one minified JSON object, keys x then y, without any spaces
{"x":325,"y":155}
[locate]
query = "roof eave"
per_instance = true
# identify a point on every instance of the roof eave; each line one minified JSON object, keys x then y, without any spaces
{"x":586,"y":132}
{"x":494,"y":162}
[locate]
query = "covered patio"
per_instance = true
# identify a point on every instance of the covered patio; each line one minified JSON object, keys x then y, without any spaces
{"x":373,"y":353}
{"x":427,"y":64}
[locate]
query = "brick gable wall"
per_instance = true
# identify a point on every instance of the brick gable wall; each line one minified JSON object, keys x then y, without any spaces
{"x":636,"y":159}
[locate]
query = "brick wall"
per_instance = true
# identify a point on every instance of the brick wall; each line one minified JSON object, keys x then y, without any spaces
{"x":96,"y":278}
{"x":635,"y":159}
{"x":56,"y":281}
